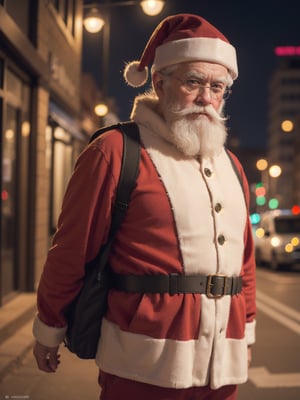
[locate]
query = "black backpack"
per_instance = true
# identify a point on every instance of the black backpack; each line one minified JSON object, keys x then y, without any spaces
{"x":85,"y":314}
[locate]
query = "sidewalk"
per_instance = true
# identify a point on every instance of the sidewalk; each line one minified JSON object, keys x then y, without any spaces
{"x":15,"y":330}
{"x":75,"y":379}
{"x":20,"y":378}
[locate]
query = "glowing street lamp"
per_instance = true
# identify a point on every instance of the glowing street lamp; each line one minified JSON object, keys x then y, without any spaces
{"x":152,"y":7}
{"x":94,"y":22}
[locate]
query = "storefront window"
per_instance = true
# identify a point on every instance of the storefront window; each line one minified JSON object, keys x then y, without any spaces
{"x":1,"y":74}
{"x":62,"y":170}
{"x":67,"y":142}
{"x":59,"y":163}
{"x":14,"y":182}
{"x":8,"y":201}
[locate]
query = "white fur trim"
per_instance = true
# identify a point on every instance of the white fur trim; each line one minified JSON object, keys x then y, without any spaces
{"x":201,"y":49}
{"x":133,"y":76}
{"x":227,"y":364}
{"x":189,"y":189}
{"x":47,"y":335}
{"x":250,"y":332}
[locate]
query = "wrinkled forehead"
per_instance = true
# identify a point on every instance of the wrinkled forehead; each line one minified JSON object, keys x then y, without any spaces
{"x":204,"y":70}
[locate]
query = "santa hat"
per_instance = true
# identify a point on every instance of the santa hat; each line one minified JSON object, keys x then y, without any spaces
{"x":180,"y":38}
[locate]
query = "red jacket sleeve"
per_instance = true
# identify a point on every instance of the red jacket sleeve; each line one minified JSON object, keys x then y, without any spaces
{"x":82,"y":227}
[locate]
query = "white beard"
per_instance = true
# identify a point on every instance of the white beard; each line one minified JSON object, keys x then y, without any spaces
{"x":201,"y":136}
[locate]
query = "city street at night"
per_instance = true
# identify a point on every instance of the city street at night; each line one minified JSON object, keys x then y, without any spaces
{"x":274,"y":374}
{"x":150,"y":138}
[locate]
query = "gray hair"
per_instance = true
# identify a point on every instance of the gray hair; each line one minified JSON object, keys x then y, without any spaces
{"x":167,"y":71}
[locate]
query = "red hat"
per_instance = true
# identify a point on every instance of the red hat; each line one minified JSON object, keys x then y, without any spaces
{"x":180,"y":38}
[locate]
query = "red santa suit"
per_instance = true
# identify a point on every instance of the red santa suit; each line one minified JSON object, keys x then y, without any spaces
{"x":186,"y":216}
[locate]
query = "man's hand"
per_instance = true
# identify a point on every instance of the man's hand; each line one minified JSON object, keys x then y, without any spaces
{"x":47,"y":358}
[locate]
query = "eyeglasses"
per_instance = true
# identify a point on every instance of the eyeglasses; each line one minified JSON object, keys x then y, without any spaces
{"x":194,"y":86}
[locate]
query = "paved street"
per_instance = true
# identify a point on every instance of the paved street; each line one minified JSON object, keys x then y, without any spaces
{"x":274,"y":374}
{"x":275,"y":371}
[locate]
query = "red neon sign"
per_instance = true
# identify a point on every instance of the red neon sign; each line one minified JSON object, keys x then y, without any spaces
{"x":283,"y":51}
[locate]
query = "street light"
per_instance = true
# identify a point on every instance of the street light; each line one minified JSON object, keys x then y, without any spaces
{"x":94,"y":22}
{"x":152,"y":7}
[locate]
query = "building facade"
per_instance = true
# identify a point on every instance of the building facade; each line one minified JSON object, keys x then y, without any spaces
{"x":41,"y":135}
{"x":284,"y":128}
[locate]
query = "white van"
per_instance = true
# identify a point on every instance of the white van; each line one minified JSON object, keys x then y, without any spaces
{"x":278,"y":239}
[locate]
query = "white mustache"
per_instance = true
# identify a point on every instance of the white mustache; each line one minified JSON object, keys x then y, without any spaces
{"x":209,"y":110}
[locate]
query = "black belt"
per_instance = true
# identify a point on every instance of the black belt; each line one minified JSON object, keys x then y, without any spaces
{"x":214,"y":286}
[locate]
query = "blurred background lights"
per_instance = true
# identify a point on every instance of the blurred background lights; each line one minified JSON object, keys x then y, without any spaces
{"x":9,"y":134}
{"x":25,"y":128}
{"x":289,"y":247}
{"x":262,"y":164}
{"x":255,"y":218}
{"x":273,"y":204}
{"x":260,"y":200}
{"x":260,"y":191}
{"x":283,"y":51}
{"x":295,"y":241}
{"x":296,"y":209}
{"x":275,"y":171}
{"x":275,"y":241}
{"x":4,"y":195}
{"x":259,"y":233}
{"x":287,"y":126}
{"x":101,"y":109}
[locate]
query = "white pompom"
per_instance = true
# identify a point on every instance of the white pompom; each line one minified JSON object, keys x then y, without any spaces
{"x":133,"y":76}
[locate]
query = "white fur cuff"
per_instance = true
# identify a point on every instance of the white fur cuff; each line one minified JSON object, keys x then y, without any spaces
{"x":47,"y":335}
{"x":250,"y":332}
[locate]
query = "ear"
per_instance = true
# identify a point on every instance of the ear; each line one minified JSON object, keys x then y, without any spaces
{"x":158,"y":83}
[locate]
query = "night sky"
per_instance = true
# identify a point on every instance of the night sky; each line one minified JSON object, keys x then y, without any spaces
{"x":254,"y":28}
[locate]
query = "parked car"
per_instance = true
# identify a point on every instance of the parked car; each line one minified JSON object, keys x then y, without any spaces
{"x":278,"y":239}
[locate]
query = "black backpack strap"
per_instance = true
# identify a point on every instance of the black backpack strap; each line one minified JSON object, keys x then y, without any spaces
{"x":127,"y":182}
{"x":128,"y":174}
{"x":105,"y":129}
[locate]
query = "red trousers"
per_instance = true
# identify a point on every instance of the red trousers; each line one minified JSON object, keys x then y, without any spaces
{"x":115,"y":388}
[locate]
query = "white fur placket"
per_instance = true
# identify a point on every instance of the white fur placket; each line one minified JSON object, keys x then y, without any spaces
{"x":205,"y":198}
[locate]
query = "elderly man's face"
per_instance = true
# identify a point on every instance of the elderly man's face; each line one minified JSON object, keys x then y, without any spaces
{"x":191,"y":101}
{"x":198,"y":83}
